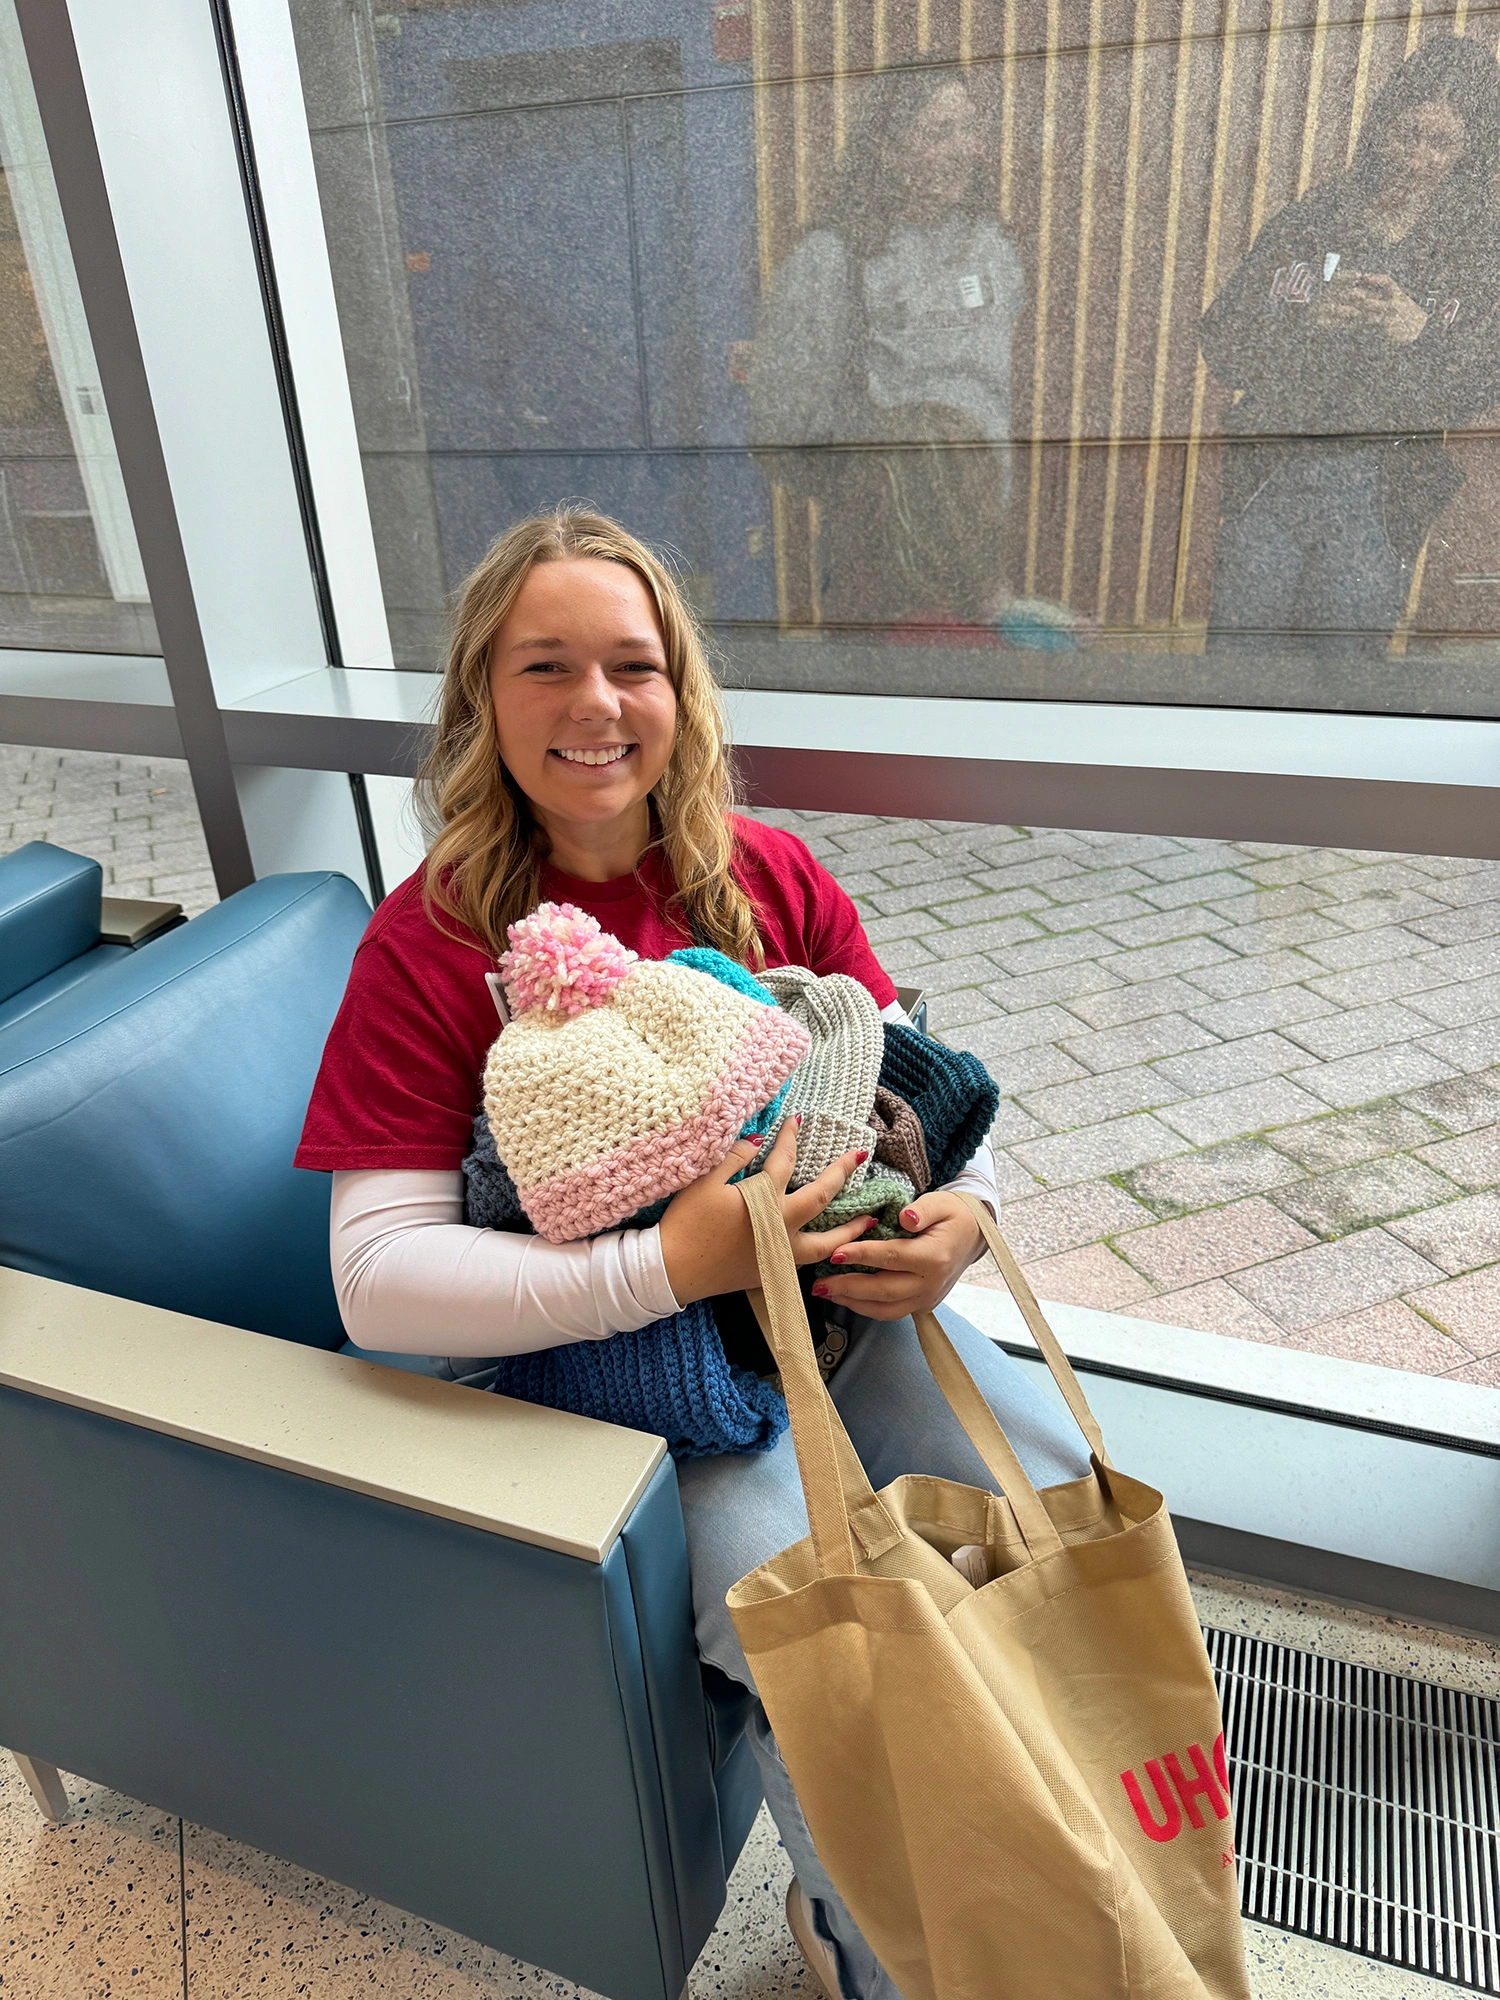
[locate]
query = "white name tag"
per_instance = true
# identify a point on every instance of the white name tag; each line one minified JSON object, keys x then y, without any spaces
{"x":971,"y":289}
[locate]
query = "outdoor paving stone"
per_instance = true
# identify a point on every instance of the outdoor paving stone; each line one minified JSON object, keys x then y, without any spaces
{"x":1233,"y":978}
{"x":965,"y":1008}
{"x":1210,"y":1245}
{"x":1121,"y":1004}
{"x":1046,"y":953}
{"x":1064,"y":982}
{"x":1459,"y":1236}
{"x":902,"y":956}
{"x":1473,"y":1161}
{"x":1353,"y":1198}
{"x":1184,"y":889}
{"x":1389,"y":1335}
{"x":1136,"y":1041}
{"x":1094,"y":1276}
{"x":1154,"y":961}
{"x":1197,"y":857}
{"x":1481,"y":920}
{"x":1012,"y":1182}
{"x":1019,"y":1031}
{"x":1443,"y":866}
{"x":1259,"y":906}
{"x":1108,"y":913}
{"x":1383,"y":909}
{"x":1378,"y":1073}
{"x":1371,"y":878}
{"x":1066,"y":1218}
{"x":935,"y":975}
{"x":1347,"y":1137}
{"x":1361,"y":1028}
{"x":1362,"y":985}
{"x":909,"y":924}
{"x":1214,"y":1175}
{"x":1095,"y":1098}
{"x":1472,"y":1048}
{"x":1034,"y":1069}
{"x":1098,"y":1150}
{"x":1032,"y":870}
{"x":1460,"y":1005}
{"x":1462,"y":1104}
{"x":1214,"y":1307}
{"x":1306,"y":864}
{"x":1483,"y":1374}
{"x":932,"y":869}
{"x":1467,"y":1307}
{"x":1094,"y":884}
{"x":918,"y":896}
{"x":970,"y":911}
{"x":1163,"y":927}
{"x":1232,"y":1114}
{"x":1475,"y":960}
{"x":1278,"y":933}
{"x":1281,"y":1007}
{"x":965,"y":939}
{"x":1228,"y":1064}
{"x":1012,"y":1124}
{"x":1481,"y":885}
{"x":1334,"y":1279}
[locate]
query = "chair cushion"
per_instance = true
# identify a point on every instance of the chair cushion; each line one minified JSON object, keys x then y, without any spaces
{"x":148,"y":1116}
{"x":49,"y":912}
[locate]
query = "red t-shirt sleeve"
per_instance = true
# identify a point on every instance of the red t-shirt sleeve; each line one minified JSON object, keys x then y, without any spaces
{"x":400,"y":1077}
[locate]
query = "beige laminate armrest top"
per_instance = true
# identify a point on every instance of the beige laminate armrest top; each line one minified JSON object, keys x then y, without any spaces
{"x":514,"y":1469}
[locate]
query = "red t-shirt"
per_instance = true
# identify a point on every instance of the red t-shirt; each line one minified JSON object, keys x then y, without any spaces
{"x":399,"y":1081}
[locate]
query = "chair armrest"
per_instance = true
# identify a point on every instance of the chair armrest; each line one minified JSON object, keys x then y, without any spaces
{"x":49,"y":912}
{"x":513,"y":1469}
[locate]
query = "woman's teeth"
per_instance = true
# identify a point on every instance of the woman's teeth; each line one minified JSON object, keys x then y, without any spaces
{"x":612,"y":755}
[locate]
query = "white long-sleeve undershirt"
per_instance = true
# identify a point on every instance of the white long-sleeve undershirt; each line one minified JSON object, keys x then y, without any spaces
{"x":412,"y":1277}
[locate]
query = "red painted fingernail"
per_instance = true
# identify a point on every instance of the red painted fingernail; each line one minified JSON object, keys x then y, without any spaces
{"x":820,"y":1291}
{"x":757,"y":1138}
{"x":910,"y":1215}
{"x":837,"y":1257}
{"x":797,"y":1118}
{"x":860,"y":1158}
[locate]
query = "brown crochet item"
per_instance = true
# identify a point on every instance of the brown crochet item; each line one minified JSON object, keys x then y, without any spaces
{"x":899,"y":1140}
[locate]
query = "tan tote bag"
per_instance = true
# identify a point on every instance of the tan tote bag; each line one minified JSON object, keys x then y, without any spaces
{"x":1019,"y":1789}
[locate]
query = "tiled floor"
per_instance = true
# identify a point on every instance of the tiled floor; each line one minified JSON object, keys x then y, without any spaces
{"x":125,"y":1899}
{"x":1246,"y":1088}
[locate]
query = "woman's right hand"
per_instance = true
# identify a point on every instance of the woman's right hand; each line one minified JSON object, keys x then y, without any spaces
{"x":707,"y":1243}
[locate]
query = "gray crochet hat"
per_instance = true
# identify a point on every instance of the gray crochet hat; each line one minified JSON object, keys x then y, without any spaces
{"x":833,"y":1086}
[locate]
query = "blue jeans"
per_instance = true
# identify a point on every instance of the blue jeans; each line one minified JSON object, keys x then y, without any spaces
{"x":741,"y":1511}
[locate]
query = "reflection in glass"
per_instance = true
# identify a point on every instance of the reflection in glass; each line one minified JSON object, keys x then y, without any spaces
{"x":70,"y":572}
{"x":938,"y":341}
{"x":1362,"y":325}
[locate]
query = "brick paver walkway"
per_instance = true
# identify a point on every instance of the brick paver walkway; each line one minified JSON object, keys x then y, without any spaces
{"x":1246,"y":1088}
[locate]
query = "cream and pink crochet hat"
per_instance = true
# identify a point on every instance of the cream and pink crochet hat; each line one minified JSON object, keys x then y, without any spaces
{"x":620,"y":1080}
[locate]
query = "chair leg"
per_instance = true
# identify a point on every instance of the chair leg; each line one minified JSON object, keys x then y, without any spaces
{"x":46,"y":1785}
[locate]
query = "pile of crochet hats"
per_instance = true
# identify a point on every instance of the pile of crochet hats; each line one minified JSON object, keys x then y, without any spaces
{"x":618,"y":1081}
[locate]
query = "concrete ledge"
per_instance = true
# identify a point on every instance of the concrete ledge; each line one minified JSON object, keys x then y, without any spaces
{"x":1281,"y":1375}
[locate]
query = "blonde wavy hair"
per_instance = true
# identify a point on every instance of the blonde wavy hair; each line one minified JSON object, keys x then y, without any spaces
{"x":486,"y":849}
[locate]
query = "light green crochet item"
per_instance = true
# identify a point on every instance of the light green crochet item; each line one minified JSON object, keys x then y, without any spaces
{"x":882,"y":1196}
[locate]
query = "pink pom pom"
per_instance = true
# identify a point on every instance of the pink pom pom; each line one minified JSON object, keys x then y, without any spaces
{"x":561,"y":960}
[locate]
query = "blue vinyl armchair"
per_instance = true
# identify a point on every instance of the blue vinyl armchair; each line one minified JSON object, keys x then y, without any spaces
{"x":434,"y":1644}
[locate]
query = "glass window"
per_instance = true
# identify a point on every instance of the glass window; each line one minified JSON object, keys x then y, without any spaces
{"x":70,"y":572}
{"x":956,"y":347}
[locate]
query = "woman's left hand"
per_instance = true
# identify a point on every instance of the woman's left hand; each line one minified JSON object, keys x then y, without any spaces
{"x":914,"y":1272}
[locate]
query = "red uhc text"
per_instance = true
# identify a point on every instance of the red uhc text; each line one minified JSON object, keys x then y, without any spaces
{"x":1179,"y":1792}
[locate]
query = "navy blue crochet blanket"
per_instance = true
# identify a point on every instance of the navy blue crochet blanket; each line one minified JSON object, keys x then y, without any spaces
{"x":673,"y":1377}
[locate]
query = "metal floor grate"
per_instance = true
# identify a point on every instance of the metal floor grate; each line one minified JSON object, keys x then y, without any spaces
{"x":1366,"y":1808}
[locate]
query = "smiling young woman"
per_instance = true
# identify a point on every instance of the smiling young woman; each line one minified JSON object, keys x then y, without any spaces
{"x":580,"y":757}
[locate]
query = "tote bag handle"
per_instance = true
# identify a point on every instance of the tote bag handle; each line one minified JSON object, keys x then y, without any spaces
{"x":832,"y":1476}
{"x":1058,"y":1362}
